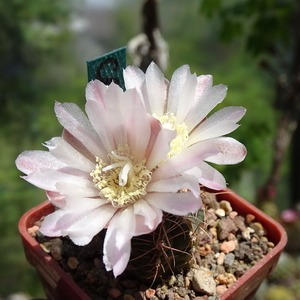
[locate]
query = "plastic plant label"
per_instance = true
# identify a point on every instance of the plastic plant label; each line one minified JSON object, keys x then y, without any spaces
{"x":108,"y":68}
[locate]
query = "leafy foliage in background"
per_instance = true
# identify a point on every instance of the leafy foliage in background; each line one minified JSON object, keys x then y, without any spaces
{"x":270,"y":30}
{"x":261,"y":23}
{"x":35,"y":69}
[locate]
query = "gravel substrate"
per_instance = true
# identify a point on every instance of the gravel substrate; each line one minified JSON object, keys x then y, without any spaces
{"x":227,"y":246}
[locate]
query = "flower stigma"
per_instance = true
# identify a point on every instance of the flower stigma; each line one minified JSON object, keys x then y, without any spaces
{"x":168,"y":121}
{"x":123,"y":182}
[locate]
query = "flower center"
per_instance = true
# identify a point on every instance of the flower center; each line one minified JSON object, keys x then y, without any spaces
{"x":168,"y":121}
{"x":122,"y":182}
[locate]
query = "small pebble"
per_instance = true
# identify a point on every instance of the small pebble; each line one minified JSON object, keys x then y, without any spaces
{"x":221,"y":258}
{"x":249,"y":218}
{"x":220,"y":212}
{"x":172,"y":280}
{"x":149,"y":293}
{"x":226,"y":278}
{"x":246,"y":234}
{"x":258,"y":228}
{"x":73,"y":262}
{"x":227,"y":246}
{"x":55,"y":247}
{"x":231,"y":237}
{"x":229,"y":260}
{"x":114,"y":293}
{"x":226,"y":206}
{"x":240,"y":222}
{"x":221,"y":289}
{"x":187,"y":282}
{"x":33,"y":230}
{"x":213,"y":232}
{"x":225,"y":227}
{"x":233,"y":214}
{"x":203,"y":281}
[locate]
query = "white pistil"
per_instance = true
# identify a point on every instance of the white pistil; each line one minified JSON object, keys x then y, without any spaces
{"x":122,"y":182}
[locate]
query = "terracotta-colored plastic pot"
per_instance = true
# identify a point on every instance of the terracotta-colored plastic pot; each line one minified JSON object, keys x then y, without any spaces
{"x":58,"y":285}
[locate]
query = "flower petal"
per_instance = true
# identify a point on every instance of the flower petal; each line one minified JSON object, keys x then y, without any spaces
{"x":29,"y":161}
{"x":81,"y":226}
{"x":220,"y":123}
{"x":185,"y":160}
{"x":231,"y":151}
{"x":161,"y":148}
{"x":82,"y":232}
{"x":187,"y":96}
{"x":47,"y":179}
{"x":95,"y":91}
{"x":156,"y":89}
{"x":147,"y":217}
{"x":75,"y":121}
{"x":179,"y":204}
{"x":133,"y":77}
{"x":177,"y":82}
{"x":65,"y":153}
{"x":208,"y":176}
{"x":116,"y":248}
{"x":56,"y":199}
{"x":208,"y":99}
{"x":175,"y":184}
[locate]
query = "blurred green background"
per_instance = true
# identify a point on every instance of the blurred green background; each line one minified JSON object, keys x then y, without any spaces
{"x":43,"y":49}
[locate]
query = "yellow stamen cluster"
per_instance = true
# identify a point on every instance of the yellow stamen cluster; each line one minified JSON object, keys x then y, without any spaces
{"x":168,"y":121}
{"x":123,"y":182}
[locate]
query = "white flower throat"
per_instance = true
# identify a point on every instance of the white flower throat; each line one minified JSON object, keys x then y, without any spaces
{"x":168,"y":121}
{"x":123,"y":182}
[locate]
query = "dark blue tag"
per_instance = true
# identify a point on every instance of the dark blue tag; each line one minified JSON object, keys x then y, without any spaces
{"x":108,"y":68}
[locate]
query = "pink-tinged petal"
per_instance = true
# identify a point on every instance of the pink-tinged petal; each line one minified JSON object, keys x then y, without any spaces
{"x":185,"y":160}
{"x":231,"y":151}
{"x":156,"y":89}
{"x":186,"y":98}
{"x":116,"y":248}
{"x":204,"y":83}
{"x":65,"y":153}
{"x":161,"y":148}
{"x":102,"y":122}
{"x":147,"y":217}
{"x":95,"y":91}
{"x":208,"y":100}
{"x":220,"y":123}
{"x":177,"y":82}
{"x":80,"y":189}
{"x":155,"y":128}
{"x":133,"y":77}
{"x":29,"y":161}
{"x":75,"y":121}
{"x":47,"y":179}
{"x":56,"y":199}
{"x":76,"y":144}
{"x":208,"y":176}
{"x":175,"y":184}
{"x":138,"y":124}
{"x":82,"y":232}
{"x":81,"y":226}
{"x":179,"y":204}
{"x":119,"y":261}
